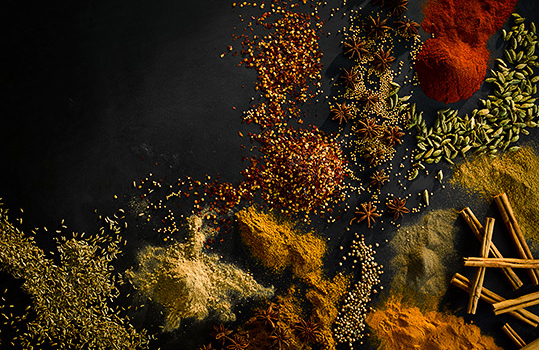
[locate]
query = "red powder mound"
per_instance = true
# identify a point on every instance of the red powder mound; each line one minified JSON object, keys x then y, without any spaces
{"x":452,"y":65}
{"x":449,"y":77}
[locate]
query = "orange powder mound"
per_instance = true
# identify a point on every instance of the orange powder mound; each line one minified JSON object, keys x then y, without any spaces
{"x":402,"y":327}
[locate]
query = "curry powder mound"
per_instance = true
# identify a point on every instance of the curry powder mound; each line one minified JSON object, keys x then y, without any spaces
{"x":278,"y":246}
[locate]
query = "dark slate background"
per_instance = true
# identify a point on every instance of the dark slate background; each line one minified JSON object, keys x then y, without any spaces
{"x":96,"y":94}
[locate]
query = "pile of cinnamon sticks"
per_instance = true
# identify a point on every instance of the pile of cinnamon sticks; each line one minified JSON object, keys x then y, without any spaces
{"x":490,"y":257}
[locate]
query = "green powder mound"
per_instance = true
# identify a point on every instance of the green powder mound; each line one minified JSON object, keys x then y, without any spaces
{"x":425,"y":255}
{"x":189,"y":283}
{"x":515,"y":173}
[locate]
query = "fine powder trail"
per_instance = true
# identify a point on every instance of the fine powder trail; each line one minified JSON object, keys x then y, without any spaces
{"x":452,"y":65}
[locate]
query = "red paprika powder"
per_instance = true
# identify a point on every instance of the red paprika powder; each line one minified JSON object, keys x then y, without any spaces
{"x":452,"y":65}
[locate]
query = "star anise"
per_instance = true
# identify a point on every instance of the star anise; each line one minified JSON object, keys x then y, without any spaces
{"x":280,"y":339}
{"x":355,"y":48}
{"x":269,"y":316}
{"x":342,"y":112}
{"x":221,"y":333}
{"x":407,"y":27}
{"x":307,"y":331}
{"x":351,"y":78}
{"x":206,"y":347}
{"x":368,"y":128}
{"x":382,"y":60}
{"x":397,"y":207}
{"x":396,"y":7}
{"x":378,"y":178}
{"x":373,"y":156}
{"x":367,"y":212}
{"x":377,"y":28}
{"x":392,"y":135}
{"x":370,"y":100}
{"x":238,"y":342}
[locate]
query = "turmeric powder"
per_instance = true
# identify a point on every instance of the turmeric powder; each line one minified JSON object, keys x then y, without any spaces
{"x":402,"y":327}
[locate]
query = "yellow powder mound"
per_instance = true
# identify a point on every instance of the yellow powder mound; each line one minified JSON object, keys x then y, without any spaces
{"x":402,"y":327}
{"x":278,"y":246}
{"x":517,"y":174}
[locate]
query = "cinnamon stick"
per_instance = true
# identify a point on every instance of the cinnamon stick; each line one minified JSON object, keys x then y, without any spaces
{"x":490,"y":297}
{"x":477,"y":283}
{"x":501,"y":262}
{"x":477,"y":229}
{"x":515,"y":232}
{"x":513,"y":335}
{"x":517,"y":303}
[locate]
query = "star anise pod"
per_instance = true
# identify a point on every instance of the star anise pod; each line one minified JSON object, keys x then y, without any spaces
{"x":392,"y":135}
{"x":378,"y":178}
{"x":376,"y":27}
{"x":368,"y":128}
{"x":280,"y":339}
{"x":382,"y":60}
{"x":407,"y":27}
{"x":342,"y":112}
{"x":367,"y":212}
{"x":396,"y":7}
{"x":238,"y":342}
{"x":397,"y":207}
{"x":355,"y":48}
{"x":269,"y":316}
{"x":373,"y":156}
{"x":221,"y":333}
{"x":206,"y":347}
{"x":351,"y":78}
{"x":307,"y":331}
{"x":370,"y":100}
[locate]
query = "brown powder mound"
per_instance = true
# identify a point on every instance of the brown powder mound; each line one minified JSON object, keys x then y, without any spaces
{"x":402,"y":327}
{"x":324,"y":297}
{"x":278,"y":246}
{"x":517,"y":174}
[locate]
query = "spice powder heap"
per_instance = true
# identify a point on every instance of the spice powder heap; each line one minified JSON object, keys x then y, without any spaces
{"x":278,"y":246}
{"x":452,"y":65}
{"x":425,"y":256}
{"x":188,"y":282}
{"x":402,"y":327}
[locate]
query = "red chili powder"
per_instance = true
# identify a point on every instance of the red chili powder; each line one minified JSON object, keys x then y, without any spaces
{"x":452,"y":65}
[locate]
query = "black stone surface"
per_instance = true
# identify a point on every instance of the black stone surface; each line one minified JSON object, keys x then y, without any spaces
{"x":96,"y":94}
